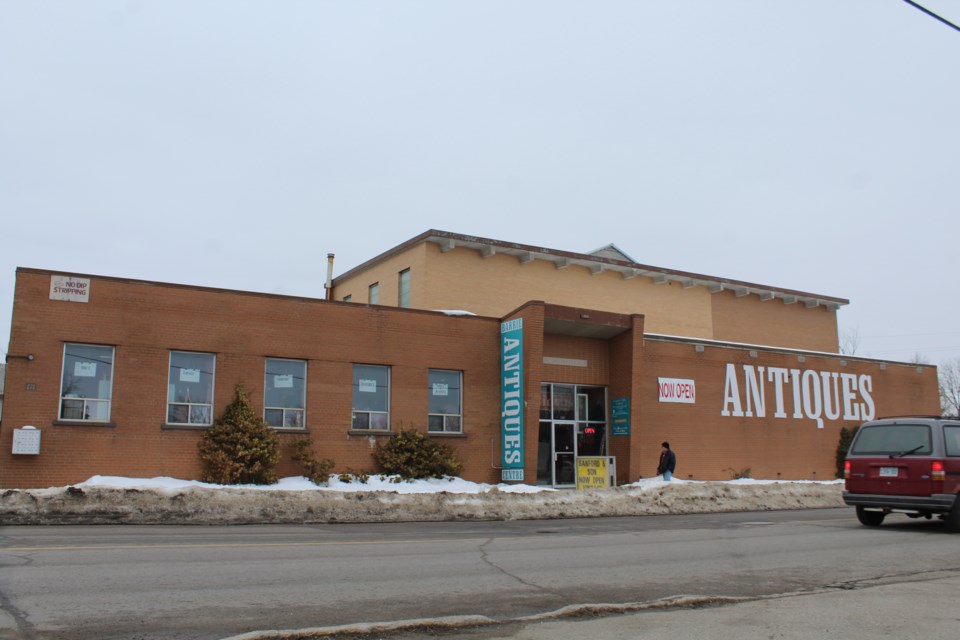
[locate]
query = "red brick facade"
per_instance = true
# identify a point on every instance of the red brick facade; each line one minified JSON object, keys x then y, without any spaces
{"x":145,"y":321}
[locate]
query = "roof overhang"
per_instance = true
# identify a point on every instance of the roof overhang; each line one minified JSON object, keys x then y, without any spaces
{"x":526,"y":254}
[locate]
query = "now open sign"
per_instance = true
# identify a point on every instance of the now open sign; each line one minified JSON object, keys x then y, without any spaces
{"x":677,"y":390}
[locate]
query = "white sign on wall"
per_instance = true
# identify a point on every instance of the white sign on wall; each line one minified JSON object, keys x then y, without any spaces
{"x":677,"y":390}
{"x":70,"y":288}
{"x":26,"y":441}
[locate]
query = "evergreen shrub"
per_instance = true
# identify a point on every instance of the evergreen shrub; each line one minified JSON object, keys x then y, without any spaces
{"x":411,"y":455}
{"x":317,"y":470}
{"x":846,"y":437}
{"x":240,"y":448}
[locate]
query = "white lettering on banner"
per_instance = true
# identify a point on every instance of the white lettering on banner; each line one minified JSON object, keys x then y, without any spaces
{"x":677,"y":390}
{"x":816,"y":395}
{"x":511,"y":402}
{"x":70,"y":289}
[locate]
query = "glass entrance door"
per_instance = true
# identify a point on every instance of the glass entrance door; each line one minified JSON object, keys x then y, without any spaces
{"x":557,"y":456}
{"x":564,"y":454}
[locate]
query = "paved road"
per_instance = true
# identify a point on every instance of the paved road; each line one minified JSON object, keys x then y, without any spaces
{"x":161,"y":583}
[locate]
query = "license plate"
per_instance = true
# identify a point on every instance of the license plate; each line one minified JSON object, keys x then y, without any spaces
{"x":889,"y":472}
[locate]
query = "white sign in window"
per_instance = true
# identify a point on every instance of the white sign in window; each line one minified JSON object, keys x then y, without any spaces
{"x":441,"y":389}
{"x":189,"y":375}
{"x":677,"y":390}
{"x":368,"y":386}
{"x":70,"y":288}
{"x":283,"y":381}
{"x":85,"y":369}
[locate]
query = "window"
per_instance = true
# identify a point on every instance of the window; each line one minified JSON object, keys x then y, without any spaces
{"x":404,"y":298}
{"x":190,"y":388}
{"x":371,"y":397}
{"x":951,"y":437}
{"x":87,"y":382}
{"x":348,"y":298}
{"x":284,"y":393}
{"x":898,"y":440}
{"x":375,"y":293}
{"x":444,"y":401}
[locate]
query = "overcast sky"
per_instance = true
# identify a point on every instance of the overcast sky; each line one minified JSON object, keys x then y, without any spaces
{"x":804,"y":144}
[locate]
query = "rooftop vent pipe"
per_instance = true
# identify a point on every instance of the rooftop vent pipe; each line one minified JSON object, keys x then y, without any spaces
{"x":329,"y":284}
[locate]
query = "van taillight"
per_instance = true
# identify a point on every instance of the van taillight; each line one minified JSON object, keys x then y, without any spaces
{"x":936,"y":471}
{"x":846,"y":469}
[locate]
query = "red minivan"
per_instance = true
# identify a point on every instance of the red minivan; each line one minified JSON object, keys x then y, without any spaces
{"x":909,"y":465}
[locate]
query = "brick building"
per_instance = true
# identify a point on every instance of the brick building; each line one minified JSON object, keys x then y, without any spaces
{"x":121,"y":377}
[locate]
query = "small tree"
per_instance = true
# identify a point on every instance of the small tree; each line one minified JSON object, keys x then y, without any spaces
{"x":849,"y":341}
{"x":949,"y":374}
{"x":412,"y":455}
{"x":846,"y":437}
{"x":240,"y":448}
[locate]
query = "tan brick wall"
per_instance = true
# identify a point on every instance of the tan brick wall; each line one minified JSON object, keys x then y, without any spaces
{"x":753,"y":321}
{"x":387,"y":274}
{"x":594,"y":353}
{"x":462,"y":278}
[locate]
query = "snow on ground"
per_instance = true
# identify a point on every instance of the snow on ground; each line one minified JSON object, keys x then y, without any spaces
{"x":110,"y":499}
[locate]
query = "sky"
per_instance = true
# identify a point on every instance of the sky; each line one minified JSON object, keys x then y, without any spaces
{"x":809,"y":145}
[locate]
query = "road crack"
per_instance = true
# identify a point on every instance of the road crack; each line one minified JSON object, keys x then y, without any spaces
{"x":485,"y":557}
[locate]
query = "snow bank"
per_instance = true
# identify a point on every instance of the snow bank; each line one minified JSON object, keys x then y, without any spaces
{"x":109,"y":500}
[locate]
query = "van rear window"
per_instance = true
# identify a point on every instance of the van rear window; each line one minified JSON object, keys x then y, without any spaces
{"x":893,"y":439}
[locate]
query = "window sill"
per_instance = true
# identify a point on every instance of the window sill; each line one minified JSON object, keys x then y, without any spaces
{"x":371,"y":432}
{"x":446,"y":434}
{"x":185,"y":427}
{"x":290,"y":430}
{"x":84,"y":423}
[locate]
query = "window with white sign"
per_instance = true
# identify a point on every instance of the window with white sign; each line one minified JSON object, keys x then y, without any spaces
{"x":444,"y":401}
{"x":87,"y":382}
{"x":371,"y":397}
{"x":190,"y":388}
{"x":285,"y":393}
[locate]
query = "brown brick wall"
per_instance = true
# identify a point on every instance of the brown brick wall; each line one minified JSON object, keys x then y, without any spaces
{"x":712,"y":446}
{"x":144,"y":321}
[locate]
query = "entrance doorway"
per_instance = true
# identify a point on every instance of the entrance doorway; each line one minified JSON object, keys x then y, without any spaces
{"x":573,"y":422}
{"x":557,"y":454}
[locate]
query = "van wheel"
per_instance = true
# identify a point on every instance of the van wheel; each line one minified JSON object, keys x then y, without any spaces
{"x":953,"y":517}
{"x":870,"y":518}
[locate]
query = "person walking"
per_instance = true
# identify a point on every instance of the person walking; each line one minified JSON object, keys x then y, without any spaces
{"x":668,"y":462}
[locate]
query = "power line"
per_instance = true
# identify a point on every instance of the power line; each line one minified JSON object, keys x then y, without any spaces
{"x":932,"y":14}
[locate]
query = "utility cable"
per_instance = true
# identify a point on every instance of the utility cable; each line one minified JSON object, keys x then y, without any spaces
{"x":932,"y":14}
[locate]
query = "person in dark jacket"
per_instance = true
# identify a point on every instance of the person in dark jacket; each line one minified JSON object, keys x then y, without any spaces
{"x":668,"y":462}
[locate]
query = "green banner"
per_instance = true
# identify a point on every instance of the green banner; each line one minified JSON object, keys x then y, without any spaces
{"x":511,"y":400}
